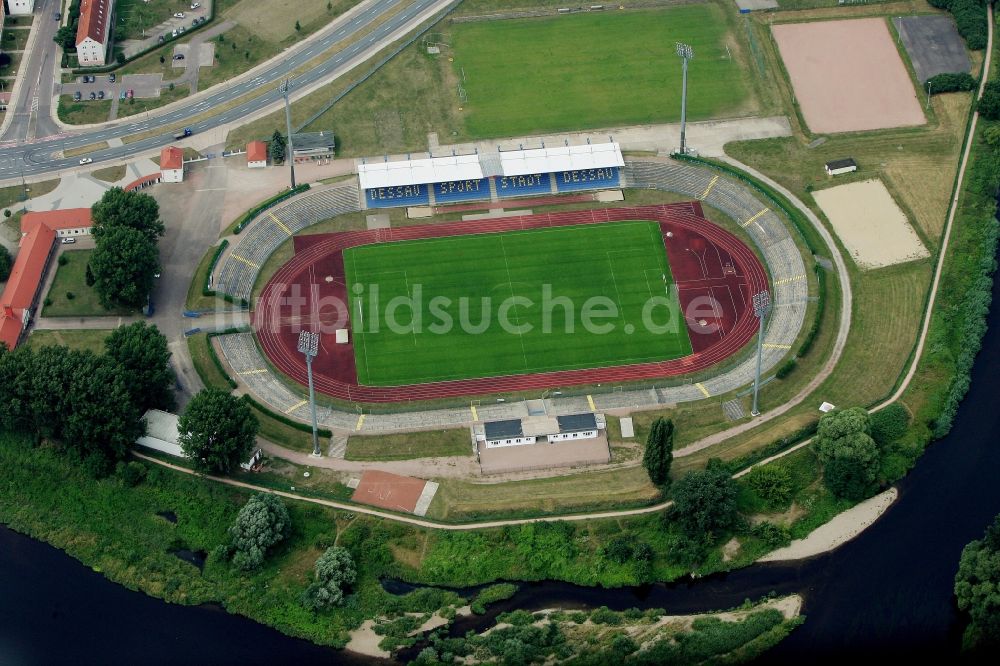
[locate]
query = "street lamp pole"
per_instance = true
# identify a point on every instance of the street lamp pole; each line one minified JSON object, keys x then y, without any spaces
{"x":289,"y":150}
{"x":309,"y":346}
{"x":761,"y":306}
{"x":686,"y":53}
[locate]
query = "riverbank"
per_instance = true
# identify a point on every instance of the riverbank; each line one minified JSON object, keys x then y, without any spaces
{"x":841,"y":529}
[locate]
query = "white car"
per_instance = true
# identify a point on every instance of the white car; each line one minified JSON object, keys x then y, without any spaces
{"x":179,"y":15}
{"x":68,"y":241}
{"x":195,"y":5}
{"x":85,"y":160}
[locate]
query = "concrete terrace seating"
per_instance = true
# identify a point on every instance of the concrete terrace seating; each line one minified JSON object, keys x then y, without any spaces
{"x":272,"y":227}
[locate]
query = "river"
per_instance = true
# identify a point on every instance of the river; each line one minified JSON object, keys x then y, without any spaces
{"x":887,"y":592}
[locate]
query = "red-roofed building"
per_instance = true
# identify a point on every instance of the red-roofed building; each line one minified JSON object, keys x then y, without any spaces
{"x":256,"y":154}
{"x":38,"y":243}
{"x":94,"y":32}
{"x":172,"y":164}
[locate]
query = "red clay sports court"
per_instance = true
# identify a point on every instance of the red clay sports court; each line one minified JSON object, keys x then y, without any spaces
{"x":705,"y":260}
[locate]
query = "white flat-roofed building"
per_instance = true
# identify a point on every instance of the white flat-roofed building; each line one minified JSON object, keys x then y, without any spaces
{"x":161,"y":433}
{"x":374,"y":175}
{"x":561,"y":158}
{"x":540,"y":429}
{"x":20,"y":7}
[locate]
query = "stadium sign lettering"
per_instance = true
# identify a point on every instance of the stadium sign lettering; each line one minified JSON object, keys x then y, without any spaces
{"x":511,"y":182}
{"x":587,"y":175}
{"x":458,"y":186}
{"x":402,"y":192}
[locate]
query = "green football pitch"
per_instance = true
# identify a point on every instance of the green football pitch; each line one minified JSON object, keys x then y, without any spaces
{"x":599,"y":69}
{"x":519,"y":302}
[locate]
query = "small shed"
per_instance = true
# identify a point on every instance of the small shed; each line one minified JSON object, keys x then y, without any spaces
{"x":161,"y":433}
{"x":313,"y":145}
{"x":256,"y":155}
{"x":838,"y":167}
{"x":172,"y":164}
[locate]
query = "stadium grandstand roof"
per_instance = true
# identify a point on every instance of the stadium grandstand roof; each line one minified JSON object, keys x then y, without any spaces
{"x":419,"y":171}
{"x":561,"y":158}
{"x":93,"y":20}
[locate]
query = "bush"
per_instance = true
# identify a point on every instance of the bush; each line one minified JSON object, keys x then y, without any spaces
{"x":63,"y":260}
{"x":889,"y":424}
{"x":334,"y":572}
{"x":946,"y":83}
{"x":131,"y":474}
{"x":70,"y":295}
{"x":47,"y":302}
{"x":261,"y":523}
{"x":773,"y":536}
{"x":705,"y":501}
{"x":786,"y":368}
{"x":605,"y":616}
{"x":989,"y":105}
{"x":618,"y":549}
{"x":773,"y":484}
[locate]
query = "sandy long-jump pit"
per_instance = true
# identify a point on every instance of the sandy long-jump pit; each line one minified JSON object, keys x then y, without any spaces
{"x":870,"y":224}
{"x":848,"y":75}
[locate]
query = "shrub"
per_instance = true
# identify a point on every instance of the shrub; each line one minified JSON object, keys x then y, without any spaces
{"x":786,"y":368}
{"x":70,"y":295}
{"x":63,"y":260}
{"x":947,"y":82}
{"x":47,"y":302}
{"x":705,"y":500}
{"x":334,"y":572}
{"x":889,"y":424}
{"x":773,"y":536}
{"x":605,"y":616}
{"x":773,"y":484}
{"x":618,"y":549}
{"x":6,"y":263}
{"x":989,"y":105}
{"x":131,"y":474}
{"x":261,"y":523}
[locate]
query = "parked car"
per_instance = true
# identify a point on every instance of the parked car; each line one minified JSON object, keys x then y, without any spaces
{"x":93,"y":95}
{"x":161,"y":39}
{"x":112,"y":78}
{"x":179,"y":15}
{"x":68,"y":240}
{"x":77,"y":96}
{"x":85,"y":160}
{"x":181,"y":30}
{"x":195,"y":5}
{"x":178,"y":56}
{"x":57,"y":16}
{"x":131,"y":93}
{"x":122,"y":95}
{"x":173,"y":33}
{"x":89,"y":79}
{"x":100,"y":94}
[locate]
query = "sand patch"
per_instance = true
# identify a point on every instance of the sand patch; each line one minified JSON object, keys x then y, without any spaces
{"x":848,"y":75}
{"x":870,"y":224}
{"x":844,"y":527}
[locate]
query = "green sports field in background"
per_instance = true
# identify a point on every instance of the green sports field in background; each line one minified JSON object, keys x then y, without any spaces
{"x":598,"y":69}
{"x":624,"y":262}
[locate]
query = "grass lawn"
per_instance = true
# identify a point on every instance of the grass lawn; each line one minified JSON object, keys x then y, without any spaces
{"x":275,"y":21}
{"x":134,"y":106}
{"x":195,"y":299}
{"x":10,"y":196}
{"x":86,"y":339}
{"x":15,"y":40}
{"x":605,"y":69}
{"x":405,"y":446}
{"x":133,"y":16}
{"x":206,"y":368}
{"x":517,"y":272}
{"x":110,"y":174}
{"x":83,"y":112}
{"x":71,"y":279}
{"x":9,"y":63}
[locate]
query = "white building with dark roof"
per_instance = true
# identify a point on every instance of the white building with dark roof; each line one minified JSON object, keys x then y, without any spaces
{"x":540,"y":430}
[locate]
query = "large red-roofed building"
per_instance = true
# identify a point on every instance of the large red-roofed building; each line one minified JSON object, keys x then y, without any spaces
{"x":39,"y":233}
{"x":93,"y":32}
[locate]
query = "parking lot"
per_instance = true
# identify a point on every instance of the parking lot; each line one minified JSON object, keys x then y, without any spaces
{"x":158,"y":34}
{"x":143,"y":86}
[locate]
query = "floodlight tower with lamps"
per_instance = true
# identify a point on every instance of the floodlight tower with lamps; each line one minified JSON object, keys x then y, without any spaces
{"x":289,"y":152}
{"x":686,"y":53}
{"x":309,"y":346}
{"x":761,"y":306}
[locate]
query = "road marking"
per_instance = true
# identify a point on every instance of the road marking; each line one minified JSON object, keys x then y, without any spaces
{"x":361,"y":420}
{"x":280,"y":224}
{"x":296,"y":406}
{"x":246,"y":261}
{"x":709,"y":188}
{"x":701,"y":387}
{"x":212,"y":189}
{"x":590,"y":401}
{"x":747,"y":223}
{"x":475,"y":414}
{"x":791,"y":279}
{"x":775,"y":345}
{"x":258,"y":371}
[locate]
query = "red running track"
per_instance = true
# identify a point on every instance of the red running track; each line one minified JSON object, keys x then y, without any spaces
{"x":705,"y":260}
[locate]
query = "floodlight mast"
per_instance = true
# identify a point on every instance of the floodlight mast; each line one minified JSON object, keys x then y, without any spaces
{"x":761,"y":306}
{"x":309,"y":346}
{"x":289,"y":151}
{"x":686,"y":53}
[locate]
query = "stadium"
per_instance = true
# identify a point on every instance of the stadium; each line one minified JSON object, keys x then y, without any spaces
{"x":513,"y":301}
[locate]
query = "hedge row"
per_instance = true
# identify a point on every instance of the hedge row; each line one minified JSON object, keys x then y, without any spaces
{"x":251,"y":214}
{"x":970,"y":18}
{"x":810,"y":338}
{"x":215,"y":359}
{"x":298,"y":425}
{"x":777,"y":446}
{"x":206,"y":290}
{"x":946,"y":83}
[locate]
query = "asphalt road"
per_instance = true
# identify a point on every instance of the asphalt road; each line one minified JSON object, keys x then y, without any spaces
{"x":31,"y":116}
{"x":19,"y":158}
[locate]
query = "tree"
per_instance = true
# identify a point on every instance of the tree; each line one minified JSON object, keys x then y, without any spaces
{"x":65,"y":37}
{"x":142,"y":353}
{"x":261,"y":523}
{"x":123,"y":265}
{"x":277,"y":147}
{"x":977,"y":585}
{"x":850,"y":457}
{"x":88,"y":276}
{"x":6,"y":263}
{"x":992,"y":136}
{"x":334,"y":572}
{"x":705,"y":501}
{"x":989,"y":105}
{"x":659,"y":453}
{"x":948,"y":82}
{"x":217,"y":430}
{"x":298,"y":28}
{"x":118,"y":208}
{"x":773,"y":484}
{"x":101,"y":419}
{"x":889,"y":424}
